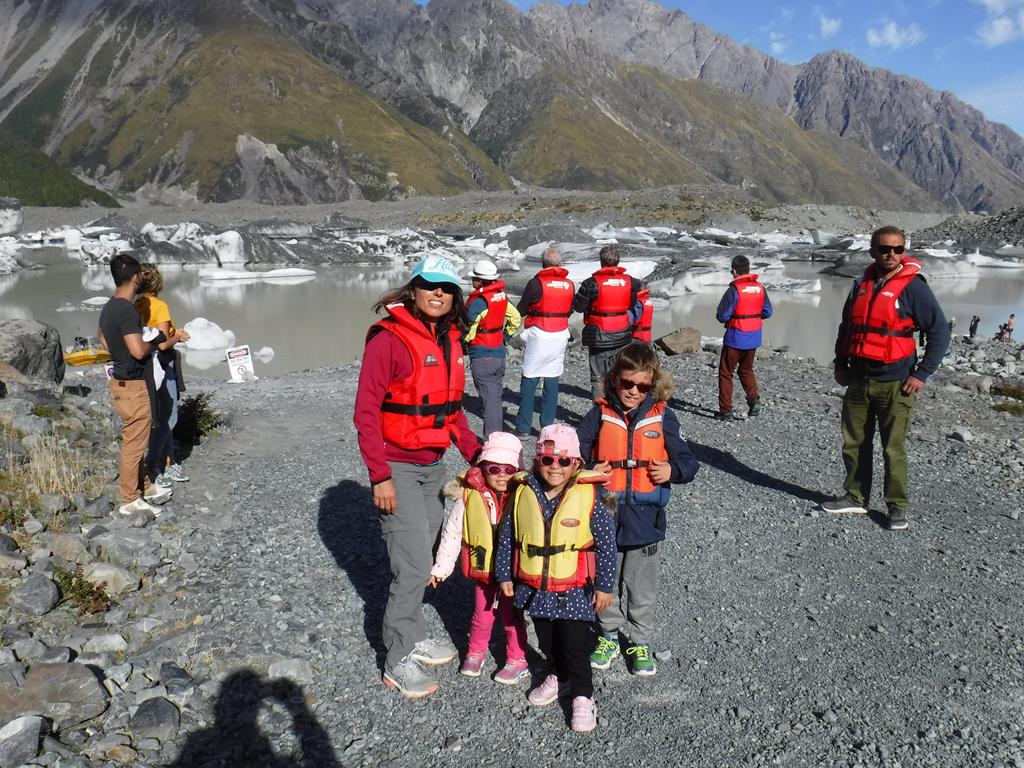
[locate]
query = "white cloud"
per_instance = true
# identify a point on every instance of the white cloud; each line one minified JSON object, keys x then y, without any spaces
{"x":997,"y":7}
{"x":1001,"y":100}
{"x":1001,"y":27}
{"x":829,"y":27}
{"x":778,"y":42}
{"x":890,"y":35}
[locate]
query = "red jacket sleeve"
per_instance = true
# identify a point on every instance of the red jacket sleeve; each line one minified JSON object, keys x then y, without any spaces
{"x":384,"y":360}
{"x":465,"y":439}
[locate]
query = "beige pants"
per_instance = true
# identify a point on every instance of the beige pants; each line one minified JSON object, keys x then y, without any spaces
{"x":131,"y":401}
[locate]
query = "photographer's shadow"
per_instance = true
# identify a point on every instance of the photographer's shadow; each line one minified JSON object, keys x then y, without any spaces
{"x":235,"y":739}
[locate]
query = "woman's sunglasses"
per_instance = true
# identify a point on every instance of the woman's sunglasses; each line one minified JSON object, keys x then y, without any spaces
{"x":563,"y":461}
{"x":500,"y":469}
{"x":425,"y":285}
{"x":628,"y":384}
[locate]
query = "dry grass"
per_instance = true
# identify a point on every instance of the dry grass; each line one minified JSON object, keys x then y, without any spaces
{"x":54,"y":467}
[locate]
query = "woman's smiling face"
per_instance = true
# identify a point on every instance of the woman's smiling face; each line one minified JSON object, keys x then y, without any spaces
{"x":433,"y":300}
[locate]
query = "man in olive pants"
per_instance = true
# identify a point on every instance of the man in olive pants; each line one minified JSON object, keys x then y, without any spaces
{"x":876,"y":360}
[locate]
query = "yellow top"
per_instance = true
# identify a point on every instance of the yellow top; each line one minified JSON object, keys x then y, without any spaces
{"x":513,"y":322}
{"x":154,"y":311}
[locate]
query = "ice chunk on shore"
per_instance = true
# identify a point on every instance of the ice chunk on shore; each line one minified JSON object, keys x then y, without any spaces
{"x":265,"y":354}
{"x":206,"y":334}
{"x":978,"y":260}
{"x":608,"y":233}
{"x":96,"y":301}
{"x":227,"y":247}
{"x":581,"y":270}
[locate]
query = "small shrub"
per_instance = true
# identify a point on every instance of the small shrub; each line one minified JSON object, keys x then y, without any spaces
{"x":14,"y":515}
{"x":1010,"y":389}
{"x":43,"y":412}
{"x":1014,"y":409}
{"x":86,"y":597}
{"x":197,"y":418}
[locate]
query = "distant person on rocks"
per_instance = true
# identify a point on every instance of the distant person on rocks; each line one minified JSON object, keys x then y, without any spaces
{"x":120,"y":332}
{"x":610,"y":307}
{"x":632,"y":436}
{"x":876,"y":360}
{"x":972,"y":329}
{"x":545,"y":306}
{"x":492,"y":318}
{"x":952,"y":326}
{"x":743,"y":309}
{"x":1011,"y":325}
{"x":468,"y":536}
{"x":164,"y":470}
{"x":408,"y":410}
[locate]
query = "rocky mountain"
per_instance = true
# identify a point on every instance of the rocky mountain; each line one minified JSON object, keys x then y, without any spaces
{"x":323,"y":100}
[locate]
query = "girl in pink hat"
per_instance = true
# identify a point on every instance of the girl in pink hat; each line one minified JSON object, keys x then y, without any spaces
{"x":468,"y":536}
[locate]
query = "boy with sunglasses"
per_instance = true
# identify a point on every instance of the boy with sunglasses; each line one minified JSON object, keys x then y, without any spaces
{"x":468,"y":535}
{"x":635,"y":440}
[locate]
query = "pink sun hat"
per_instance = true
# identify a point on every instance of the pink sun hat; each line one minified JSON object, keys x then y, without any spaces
{"x":502,"y":448}
{"x":558,"y":440}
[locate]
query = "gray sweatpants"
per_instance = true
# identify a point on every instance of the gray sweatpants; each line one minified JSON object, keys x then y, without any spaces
{"x":489,"y":378}
{"x":632,"y":609}
{"x":601,"y":361}
{"x":410,"y":535}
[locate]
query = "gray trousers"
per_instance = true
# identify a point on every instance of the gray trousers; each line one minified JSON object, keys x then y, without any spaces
{"x":632,"y":609}
{"x":410,"y":535}
{"x":601,"y":361}
{"x":489,"y":378}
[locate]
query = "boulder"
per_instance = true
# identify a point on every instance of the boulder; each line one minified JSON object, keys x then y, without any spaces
{"x":7,"y":544}
{"x":70,"y":546}
{"x":109,"y":643}
{"x":12,"y":561}
{"x":114,"y":580}
{"x":681,"y":342}
{"x":32,"y":348}
{"x":10,"y":216}
{"x":19,"y":741}
{"x":68,"y":694}
{"x":36,"y":595}
{"x":155,"y":718}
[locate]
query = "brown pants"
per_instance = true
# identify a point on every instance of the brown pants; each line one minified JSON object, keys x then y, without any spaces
{"x":744,"y":358}
{"x":131,"y":401}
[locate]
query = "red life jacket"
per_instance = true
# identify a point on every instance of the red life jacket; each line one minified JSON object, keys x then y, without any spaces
{"x":610,"y":309}
{"x":875,"y":330}
{"x":630,"y":449}
{"x":421,"y":411}
{"x":642,"y":331}
{"x":551,"y":312}
{"x":490,"y":331}
{"x":746,"y":315}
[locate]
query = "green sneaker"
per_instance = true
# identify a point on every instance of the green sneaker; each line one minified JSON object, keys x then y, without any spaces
{"x":607,"y":649}
{"x":642,"y":660}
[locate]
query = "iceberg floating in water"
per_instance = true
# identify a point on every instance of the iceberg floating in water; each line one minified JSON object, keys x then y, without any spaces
{"x":205,"y":335}
{"x":96,"y":301}
{"x":978,"y":260}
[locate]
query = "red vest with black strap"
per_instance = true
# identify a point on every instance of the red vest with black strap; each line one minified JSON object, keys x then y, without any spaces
{"x":551,"y":312}
{"x":631,"y":448}
{"x":642,"y":331}
{"x":421,"y":410}
{"x":609,"y":310}
{"x":490,"y":331}
{"x":746,"y":315}
{"x":875,"y":329}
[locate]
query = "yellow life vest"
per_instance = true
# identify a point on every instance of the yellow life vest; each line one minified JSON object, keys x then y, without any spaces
{"x":478,"y":537}
{"x":556,"y":555}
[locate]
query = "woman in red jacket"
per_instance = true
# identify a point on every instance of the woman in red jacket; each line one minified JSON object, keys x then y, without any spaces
{"x":408,"y":410}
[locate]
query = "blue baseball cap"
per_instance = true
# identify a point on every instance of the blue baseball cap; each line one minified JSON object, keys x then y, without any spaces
{"x":437,"y":269}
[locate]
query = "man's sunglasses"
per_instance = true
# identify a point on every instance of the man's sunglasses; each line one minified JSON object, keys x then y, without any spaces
{"x":563,"y":461}
{"x":628,"y":384}
{"x":426,"y":285}
{"x":500,"y":469}
{"x":897,"y":249}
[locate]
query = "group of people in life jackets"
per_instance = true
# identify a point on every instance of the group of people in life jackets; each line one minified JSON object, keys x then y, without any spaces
{"x":534,"y":529}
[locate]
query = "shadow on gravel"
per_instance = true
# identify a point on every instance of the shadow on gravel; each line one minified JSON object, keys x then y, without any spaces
{"x":235,"y":739}
{"x":728,"y":463}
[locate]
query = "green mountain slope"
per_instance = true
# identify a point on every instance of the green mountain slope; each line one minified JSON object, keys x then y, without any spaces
{"x":36,"y":179}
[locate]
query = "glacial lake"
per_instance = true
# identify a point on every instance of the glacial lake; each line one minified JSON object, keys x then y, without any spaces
{"x":322,"y":321}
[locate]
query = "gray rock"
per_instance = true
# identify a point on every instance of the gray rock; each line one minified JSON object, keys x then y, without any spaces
{"x":69,"y":546}
{"x":114,"y":579}
{"x":32,"y":348}
{"x":11,"y":561}
{"x":32,"y":526}
{"x":155,"y":719}
{"x":128,"y":547}
{"x":28,"y":648}
{"x":19,"y":741}
{"x":52,"y":504}
{"x":36,"y":595}
{"x":109,"y":643}
{"x":961,"y":434}
{"x":7,"y":544}
{"x":58,"y":655}
{"x":296,"y":670}
{"x":7,"y":656}
{"x":682,"y":341}
{"x":521,"y":239}
{"x":69,"y":694}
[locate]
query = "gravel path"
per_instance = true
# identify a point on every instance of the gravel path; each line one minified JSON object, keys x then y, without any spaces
{"x":793,"y":638}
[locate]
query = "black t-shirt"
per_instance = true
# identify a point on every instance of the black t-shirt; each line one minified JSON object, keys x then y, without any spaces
{"x":118,"y":319}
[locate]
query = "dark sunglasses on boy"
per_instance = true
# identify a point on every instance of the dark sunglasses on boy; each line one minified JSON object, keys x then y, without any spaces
{"x":629,"y":384}
{"x":563,"y":461}
{"x":501,"y":469}
{"x":426,"y":285}
{"x":897,"y":249}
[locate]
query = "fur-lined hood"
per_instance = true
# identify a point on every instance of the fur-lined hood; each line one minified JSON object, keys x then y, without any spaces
{"x":471,"y":478}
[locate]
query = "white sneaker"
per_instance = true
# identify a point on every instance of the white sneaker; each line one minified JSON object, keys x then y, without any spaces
{"x":139,"y":505}
{"x":154,"y":494}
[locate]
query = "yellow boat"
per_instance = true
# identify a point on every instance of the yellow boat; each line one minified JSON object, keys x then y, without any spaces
{"x":86,"y":352}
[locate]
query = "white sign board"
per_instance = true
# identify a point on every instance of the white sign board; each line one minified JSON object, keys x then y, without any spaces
{"x":240,"y":363}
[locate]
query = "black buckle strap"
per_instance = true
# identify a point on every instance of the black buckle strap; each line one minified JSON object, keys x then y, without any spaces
{"x":745,"y":317}
{"x":629,"y":464}
{"x":908,"y":334}
{"x":435,"y":409}
{"x":609,"y":314}
{"x":532,"y":550}
{"x":548,"y":314}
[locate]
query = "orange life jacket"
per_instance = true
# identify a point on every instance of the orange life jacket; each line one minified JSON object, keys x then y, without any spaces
{"x":630,"y":449}
{"x":421,"y":411}
{"x":746,"y":316}
{"x":642,"y":331}
{"x":610,"y":309}
{"x":876,"y":331}
{"x":490,"y":331}
{"x":551,"y":312}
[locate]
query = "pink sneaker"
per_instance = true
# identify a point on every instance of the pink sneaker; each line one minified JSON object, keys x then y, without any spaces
{"x":584,"y":714}
{"x":472,"y":665}
{"x":514,"y":671}
{"x":545,"y":693}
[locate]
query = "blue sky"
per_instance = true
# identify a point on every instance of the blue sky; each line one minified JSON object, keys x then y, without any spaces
{"x":974,"y":48}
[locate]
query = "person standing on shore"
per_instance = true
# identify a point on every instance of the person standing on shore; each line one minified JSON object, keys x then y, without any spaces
{"x":120,"y":332}
{"x":545,"y":306}
{"x":1011,"y":325}
{"x":408,"y":410}
{"x":972,"y":329}
{"x":610,"y":307}
{"x":876,"y":360}
{"x":492,"y":319}
{"x":743,"y":309}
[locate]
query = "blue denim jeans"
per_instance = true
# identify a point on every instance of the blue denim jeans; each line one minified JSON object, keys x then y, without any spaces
{"x":548,"y":403}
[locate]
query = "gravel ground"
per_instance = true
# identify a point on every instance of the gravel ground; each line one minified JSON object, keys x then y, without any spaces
{"x":786,"y":637}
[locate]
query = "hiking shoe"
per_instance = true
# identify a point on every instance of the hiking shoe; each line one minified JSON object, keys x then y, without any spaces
{"x":641,"y":660}
{"x":547,"y":692}
{"x":844,"y":505}
{"x":607,"y":649}
{"x":139,"y":505}
{"x":157,"y":495}
{"x":584,"y":714}
{"x":898,"y":519}
{"x":728,"y":416}
{"x":433,"y":652}
{"x":753,"y":407}
{"x":512,"y":672}
{"x":472,"y":665}
{"x":162,"y":481}
{"x":410,"y":679}
{"x":176,"y":473}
